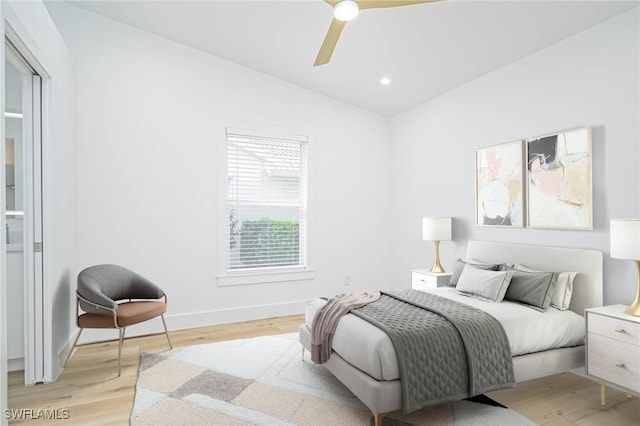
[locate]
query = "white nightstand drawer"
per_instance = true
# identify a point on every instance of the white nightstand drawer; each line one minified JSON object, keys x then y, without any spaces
{"x":613,"y":361}
{"x":423,"y":279}
{"x":614,"y":328}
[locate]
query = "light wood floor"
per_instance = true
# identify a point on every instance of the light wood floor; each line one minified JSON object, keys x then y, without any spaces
{"x":89,"y":389}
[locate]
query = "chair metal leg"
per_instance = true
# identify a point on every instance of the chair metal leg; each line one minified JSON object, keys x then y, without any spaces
{"x":121,"y":330}
{"x":166,"y":331}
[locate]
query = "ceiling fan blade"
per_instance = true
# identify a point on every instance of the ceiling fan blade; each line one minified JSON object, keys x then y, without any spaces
{"x":379,"y":4}
{"x":329,"y":43}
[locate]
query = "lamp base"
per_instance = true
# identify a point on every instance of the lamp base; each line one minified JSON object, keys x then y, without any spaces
{"x":437,"y":267}
{"x":634,"y":309}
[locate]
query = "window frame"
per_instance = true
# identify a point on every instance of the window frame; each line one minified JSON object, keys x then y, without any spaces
{"x":225,"y":277}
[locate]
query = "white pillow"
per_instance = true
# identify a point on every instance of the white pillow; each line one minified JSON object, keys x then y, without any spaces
{"x":489,"y":285}
{"x":561,"y":297}
{"x":459,"y":266}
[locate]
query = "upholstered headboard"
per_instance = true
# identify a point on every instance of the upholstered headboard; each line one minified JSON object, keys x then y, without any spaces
{"x":587,"y":286}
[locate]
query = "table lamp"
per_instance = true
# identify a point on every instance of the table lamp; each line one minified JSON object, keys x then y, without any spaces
{"x":436,"y":229}
{"x":625,"y":244}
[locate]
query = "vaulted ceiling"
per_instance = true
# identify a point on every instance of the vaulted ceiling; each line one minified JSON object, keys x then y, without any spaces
{"x":425,"y":49}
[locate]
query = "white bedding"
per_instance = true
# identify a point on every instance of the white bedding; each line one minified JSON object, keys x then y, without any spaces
{"x":370,"y":349}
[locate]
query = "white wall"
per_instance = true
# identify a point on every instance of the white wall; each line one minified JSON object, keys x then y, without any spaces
{"x":590,"y":79}
{"x":151,"y":114}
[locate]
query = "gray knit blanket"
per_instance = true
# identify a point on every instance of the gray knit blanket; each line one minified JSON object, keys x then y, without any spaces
{"x":446,"y":351}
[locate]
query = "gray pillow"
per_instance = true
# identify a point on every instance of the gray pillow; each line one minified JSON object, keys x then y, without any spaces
{"x":482,"y":283}
{"x":533,"y":289}
{"x":459,"y":266}
{"x":561,"y":297}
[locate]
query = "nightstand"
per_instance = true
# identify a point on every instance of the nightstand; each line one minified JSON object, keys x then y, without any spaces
{"x":422,"y":279}
{"x":613,"y":348}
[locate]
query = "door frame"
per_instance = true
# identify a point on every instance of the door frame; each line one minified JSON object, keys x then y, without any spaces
{"x":38,"y":350}
{"x":3,"y":251}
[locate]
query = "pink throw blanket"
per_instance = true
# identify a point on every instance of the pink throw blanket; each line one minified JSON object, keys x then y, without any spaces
{"x":326,"y":320}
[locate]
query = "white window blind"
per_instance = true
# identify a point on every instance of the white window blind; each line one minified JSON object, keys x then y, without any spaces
{"x":266,"y":201}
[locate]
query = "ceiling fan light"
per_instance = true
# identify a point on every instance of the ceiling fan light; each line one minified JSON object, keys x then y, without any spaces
{"x":346,"y":10}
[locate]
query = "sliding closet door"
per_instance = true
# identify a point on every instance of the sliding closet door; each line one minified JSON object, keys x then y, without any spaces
{"x":34,"y":308}
{"x":25,"y":218}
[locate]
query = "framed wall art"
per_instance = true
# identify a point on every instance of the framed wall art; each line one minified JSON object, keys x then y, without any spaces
{"x":559,"y":187}
{"x":499,"y":185}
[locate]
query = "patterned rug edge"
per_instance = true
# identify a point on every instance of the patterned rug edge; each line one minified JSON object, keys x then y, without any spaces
{"x":263,"y":381}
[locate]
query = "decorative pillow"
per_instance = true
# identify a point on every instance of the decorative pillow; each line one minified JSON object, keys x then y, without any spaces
{"x":533,"y":289}
{"x":561,"y":297}
{"x":482,"y":283}
{"x":459,"y":266}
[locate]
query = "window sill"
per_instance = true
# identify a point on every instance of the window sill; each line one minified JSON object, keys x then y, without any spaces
{"x":264,"y":277}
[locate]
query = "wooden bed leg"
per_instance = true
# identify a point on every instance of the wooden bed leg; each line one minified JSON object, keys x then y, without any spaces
{"x":377,"y":418}
{"x":603,"y":394}
{"x":303,"y":353}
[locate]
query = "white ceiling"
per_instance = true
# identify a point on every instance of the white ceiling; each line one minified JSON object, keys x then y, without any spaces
{"x":426,"y":49}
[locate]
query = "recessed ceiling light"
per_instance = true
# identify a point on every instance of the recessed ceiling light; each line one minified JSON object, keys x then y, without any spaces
{"x":385,"y":81}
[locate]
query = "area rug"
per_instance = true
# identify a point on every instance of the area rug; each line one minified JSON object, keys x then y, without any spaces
{"x":264,"y":381}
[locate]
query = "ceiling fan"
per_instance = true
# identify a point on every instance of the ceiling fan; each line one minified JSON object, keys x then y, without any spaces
{"x":346,"y":10}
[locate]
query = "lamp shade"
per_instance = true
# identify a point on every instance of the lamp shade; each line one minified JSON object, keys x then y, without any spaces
{"x":625,"y":239}
{"x":436,"y":228}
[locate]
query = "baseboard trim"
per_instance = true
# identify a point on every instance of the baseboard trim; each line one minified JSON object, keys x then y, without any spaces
{"x":63,"y":356}
{"x":15,"y":364}
{"x":200,"y":319}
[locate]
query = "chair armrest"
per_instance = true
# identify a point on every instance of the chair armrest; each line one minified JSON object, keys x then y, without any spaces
{"x":88,"y":306}
{"x":142,"y":288}
{"x":102,"y":309}
{"x":90,"y":290}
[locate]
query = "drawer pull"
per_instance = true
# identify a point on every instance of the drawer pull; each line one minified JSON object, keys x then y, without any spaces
{"x":620,"y":331}
{"x":422,"y":280}
{"x":621,"y":365}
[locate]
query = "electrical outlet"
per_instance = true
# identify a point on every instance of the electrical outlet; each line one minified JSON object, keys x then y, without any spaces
{"x":347,"y":280}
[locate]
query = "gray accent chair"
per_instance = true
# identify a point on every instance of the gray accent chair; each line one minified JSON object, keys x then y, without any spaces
{"x":112,"y":296}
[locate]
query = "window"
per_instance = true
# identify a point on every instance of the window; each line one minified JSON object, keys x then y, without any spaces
{"x":266,"y":202}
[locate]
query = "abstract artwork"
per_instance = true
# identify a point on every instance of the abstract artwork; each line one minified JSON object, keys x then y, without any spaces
{"x":499,"y":185}
{"x":559,"y":180}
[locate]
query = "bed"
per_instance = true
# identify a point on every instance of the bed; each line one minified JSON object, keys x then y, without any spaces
{"x":381,"y":391}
